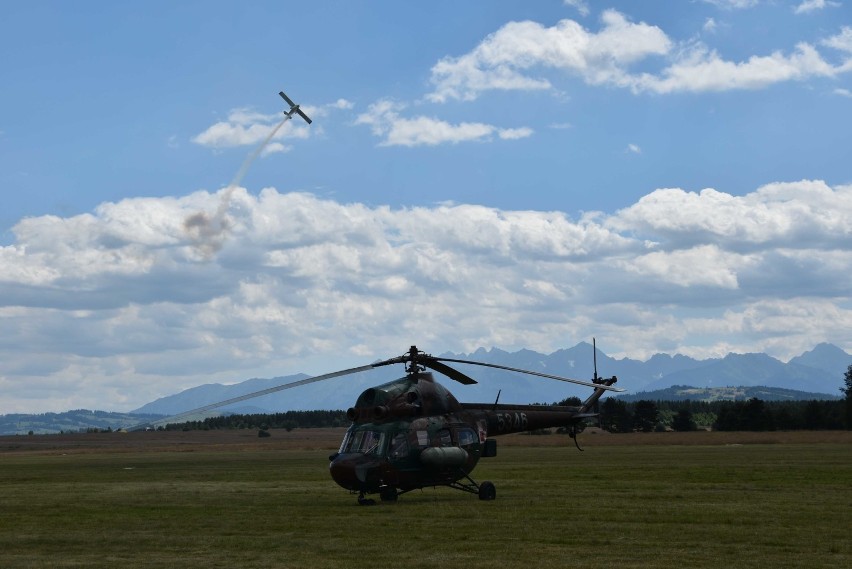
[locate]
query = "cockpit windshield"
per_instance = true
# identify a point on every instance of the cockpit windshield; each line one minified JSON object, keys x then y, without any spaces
{"x":365,"y":442}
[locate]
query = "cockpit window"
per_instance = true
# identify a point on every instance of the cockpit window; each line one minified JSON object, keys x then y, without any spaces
{"x":365,"y":442}
{"x":467,"y":437}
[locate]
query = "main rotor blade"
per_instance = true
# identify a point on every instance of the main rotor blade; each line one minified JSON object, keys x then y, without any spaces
{"x":448,"y":371}
{"x":265,"y":392}
{"x":526,"y":371}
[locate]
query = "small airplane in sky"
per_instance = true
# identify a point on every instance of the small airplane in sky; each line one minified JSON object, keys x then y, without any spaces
{"x":294,"y":108}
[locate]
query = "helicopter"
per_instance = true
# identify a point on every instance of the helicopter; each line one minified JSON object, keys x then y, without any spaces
{"x":412,"y":433}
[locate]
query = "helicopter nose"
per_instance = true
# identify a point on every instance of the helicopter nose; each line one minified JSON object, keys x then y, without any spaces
{"x":355,"y":472}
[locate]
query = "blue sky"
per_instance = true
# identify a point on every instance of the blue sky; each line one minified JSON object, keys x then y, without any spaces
{"x":664,"y":176}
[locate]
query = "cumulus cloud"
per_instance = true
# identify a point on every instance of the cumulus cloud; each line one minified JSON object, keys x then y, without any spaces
{"x":786,"y":215}
{"x":385,"y":121}
{"x":530,"y":56}
{"x":813,"y":5}
{"x":580,"y":5}
{"x":733,"y":4}
{"x":246,"y":127}
{"x":503,"y":58}
{"x":118,"y":306}
{"x":842,"y":41}
{"x":700,"y":69}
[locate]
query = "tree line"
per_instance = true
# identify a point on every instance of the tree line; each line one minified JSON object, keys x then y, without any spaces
{"x":288,"y":420}
{"x":750,"y":415}
{"x":617,"y":416}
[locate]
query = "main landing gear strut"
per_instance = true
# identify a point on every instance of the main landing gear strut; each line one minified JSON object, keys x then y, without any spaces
{"x":485,"y":491}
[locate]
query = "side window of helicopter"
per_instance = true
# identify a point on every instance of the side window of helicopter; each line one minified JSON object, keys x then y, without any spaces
{"x":399,"y":446}
{"x":444,"y":438}
{"x":467,"y":437}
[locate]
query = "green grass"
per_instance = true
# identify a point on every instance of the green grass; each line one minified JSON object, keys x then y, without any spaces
{"x":658,"y":506}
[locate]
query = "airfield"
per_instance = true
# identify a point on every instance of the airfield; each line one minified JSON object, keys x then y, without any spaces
{"x":232,"y":499}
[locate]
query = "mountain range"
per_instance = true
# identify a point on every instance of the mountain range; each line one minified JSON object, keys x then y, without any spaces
{"x":816,"y":374}
{"x":819,"y":371}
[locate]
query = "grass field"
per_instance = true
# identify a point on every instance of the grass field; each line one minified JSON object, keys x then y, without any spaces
{"x":200,"y":500}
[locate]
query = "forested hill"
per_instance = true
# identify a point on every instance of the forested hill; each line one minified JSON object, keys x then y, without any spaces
{"x":69,"y":422}
{"x":689,"y":393}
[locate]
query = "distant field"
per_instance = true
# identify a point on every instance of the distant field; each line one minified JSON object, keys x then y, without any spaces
{"x":229,"y":499}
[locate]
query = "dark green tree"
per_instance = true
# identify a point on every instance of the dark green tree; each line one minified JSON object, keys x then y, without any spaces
{"x":572,"y":401}
{"x":755,"y":416}
{"x":615,"y":417}
{"x":683,"y":421}
{"x":645,"y":416}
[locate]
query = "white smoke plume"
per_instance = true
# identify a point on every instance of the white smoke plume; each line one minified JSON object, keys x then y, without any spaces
{"x":209,"y":232}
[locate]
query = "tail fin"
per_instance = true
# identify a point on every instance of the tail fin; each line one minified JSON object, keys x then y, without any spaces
{"x":589,"y":403}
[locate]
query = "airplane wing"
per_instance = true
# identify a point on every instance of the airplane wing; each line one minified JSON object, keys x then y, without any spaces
{"x":303,"y":115}
{"x":286,"y":98}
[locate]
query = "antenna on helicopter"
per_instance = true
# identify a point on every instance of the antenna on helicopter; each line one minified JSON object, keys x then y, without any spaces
{"x":595,"y":359}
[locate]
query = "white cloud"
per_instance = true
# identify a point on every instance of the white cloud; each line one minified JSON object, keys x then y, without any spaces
{"x":702,"y":70}
{"x":503,"y":58}
{"x":274,"y":147}
{"x":515,"y":133}
{"x":342,"y":104}
{"x":788,"y":215}
{"x":634,"y":149}
{"x":126,"y":303}
{"x":704,"y":265}
{"x":841,"y":41}
{"x":525,"y":55}
{"x":842,"y":92}
{"x":580,"y":5}
{"x":246,"y":127}
{"x":385,"y":121}
{"x":733,"y":4}
{"x":813,"y":5}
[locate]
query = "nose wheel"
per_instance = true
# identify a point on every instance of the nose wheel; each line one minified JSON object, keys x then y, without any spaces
{"x":487,"y":491}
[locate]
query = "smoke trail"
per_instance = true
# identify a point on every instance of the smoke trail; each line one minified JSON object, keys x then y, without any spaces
{"x":209,"y":233}
{"x":251,"y":158}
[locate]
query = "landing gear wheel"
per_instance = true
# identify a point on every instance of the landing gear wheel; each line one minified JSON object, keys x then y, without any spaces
{"x":388,"y":494}
{"x":362,"y":501}
{"x":487,"y":491}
